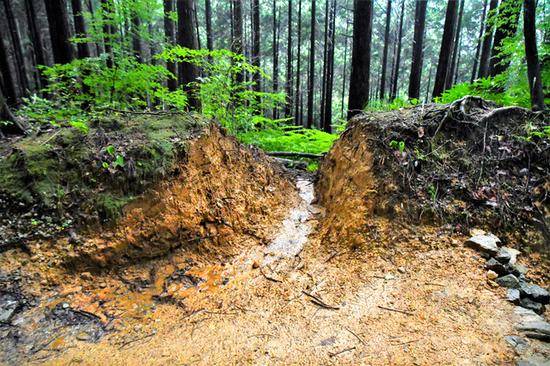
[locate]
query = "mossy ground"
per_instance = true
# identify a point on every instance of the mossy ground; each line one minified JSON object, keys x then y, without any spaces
{"x":87,"y":178}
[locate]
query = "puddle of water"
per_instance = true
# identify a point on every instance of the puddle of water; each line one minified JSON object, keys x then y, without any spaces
{"x":295,"y":228}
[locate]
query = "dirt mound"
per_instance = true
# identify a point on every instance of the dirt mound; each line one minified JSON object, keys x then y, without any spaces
{"x":222,"y":192}
{"x":466,"y":164}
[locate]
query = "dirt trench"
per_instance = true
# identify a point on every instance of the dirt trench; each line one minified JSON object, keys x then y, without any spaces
{"x":277,"y":276}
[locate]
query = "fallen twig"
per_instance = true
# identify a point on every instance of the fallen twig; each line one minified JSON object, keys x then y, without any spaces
{"x":356,"y":336}
{"x":269,"y":278}
{"x":319,"y":302}
{"x":340,"y":352}
{"x":396,"y":310}
{"x":137,"y":339}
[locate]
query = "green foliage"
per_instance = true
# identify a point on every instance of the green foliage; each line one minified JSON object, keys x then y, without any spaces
{"x":222,"y":96}
{"x":398,"y":145}
{"x":289,"y":138}
{"x":384,"y":105}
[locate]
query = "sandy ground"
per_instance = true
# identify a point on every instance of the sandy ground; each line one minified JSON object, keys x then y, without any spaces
{"x":410,"y":296}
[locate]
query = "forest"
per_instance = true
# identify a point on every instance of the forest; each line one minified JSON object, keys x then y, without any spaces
{"x":213,"y":182}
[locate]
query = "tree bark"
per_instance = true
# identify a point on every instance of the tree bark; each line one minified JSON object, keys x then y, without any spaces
{"x":256,"y":43}
{"x":36,"y":40}
{"x":327,"y":125}
{"x":393,"y":92}
{"x":289,"y":81}
{"x":531,"y":53}
{"x":208,"y":20}
{"x":237,"y":41}
{"x":276,"y":34}
{"x":385,"y":51}
{"x":418,"y":49}
{"x":509,"y":14}
{"x":170,"y":35}
{"x":297,"y":114}
{"x":311,"y":75}
{"x":361,"y":55}
{"x":15,"y":126}
{"x":487,"y":41}
{"x":325,"y":60}
{"x":445,"y":52}
{"x":17,"y":48}
{"x":187,"y":38}
{"x":60,"y":32}
{"x":478,"y":48}
{"x":107,"y":31}
{"x":83,"y":51}
{"x":6,"y":80}
{"x":344,"y":73}
{"x":456,"y":49}
{"x":136,"y":37}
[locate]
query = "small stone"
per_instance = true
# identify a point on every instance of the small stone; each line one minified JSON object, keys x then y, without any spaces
{"x":527,"y":303}
{"x":401,"y":270}
{"x":507,"y":255}
{"x":517,"y":342}
{"x":517,"y":269}
{"x":535,"y":329}
{"x":508,"y":281}
{"x":102,"y":285}
{"x":389,"y":276}
{"x":535,"y":293}
{"x":255,"y":265}
{"x":86,"y":276}
{"x":483,"y":243}
{"x":7,"y":310}
{"x":492,"y":275}
{"x":65,"y":305}
{"x":83,"y":336}
{"x":513,"y":295}
{"x":494,"y":265}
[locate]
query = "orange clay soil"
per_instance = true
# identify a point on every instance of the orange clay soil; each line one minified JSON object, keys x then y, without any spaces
{"x":414,"y":296}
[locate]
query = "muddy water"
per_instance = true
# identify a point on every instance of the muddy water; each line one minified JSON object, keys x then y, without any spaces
{"x":295,"y":228}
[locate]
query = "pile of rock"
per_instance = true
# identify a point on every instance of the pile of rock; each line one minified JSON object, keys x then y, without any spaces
{"x":503,"y":268}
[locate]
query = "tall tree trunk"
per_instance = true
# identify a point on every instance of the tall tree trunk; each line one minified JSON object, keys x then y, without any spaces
{"x":196,"y":22}
{"x":188,"y":73}
{"x":108,"y":31}
{"x":479,"y":41}
{"x":256,"y":42}
{"x":136,"y":38}
{"x":508,"y":14}
{"x":325,"y":63}
{"x":89,"y":4}
{"x":60,"y":32}
{"x":395,"y":77}
{"x":418,"y":49}
{"x":297,"y":115}
{"x":327,"y":126}
{"x":457,"y":65}
{"x":531,"y":53}
{"x":311,"y":75}
{"x":208,"y":16}
{"x":170,"y":35}
{"x":344,"y":73}
{"x":276,"y":34}
{"x":17,"y":48}
{"x":487,"y":40}
{"x":443,"y":64}
{"x":385,"y":51}
{"x":7,"y":84}
{"x":456,"y":50}
{"x":289,"y":81}
{"x":361,"y":55}
{"x":83,"y":51}
{"x":36,"y":40}
{"x":237,"y":41}
{"x":428,"y":87}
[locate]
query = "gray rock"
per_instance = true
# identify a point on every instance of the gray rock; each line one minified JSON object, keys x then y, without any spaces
{"x":516,"y":269}
{"x":535,"y":329}
{"x":534,"y":360}
{"x":537,"y":307}
{"x":513,"y":295}
{"x":507,"y":255}
{"x":534,"y":292}
{"x":519,"y":343}
{"x":527,"y":315}
{"x":7,"y":310}
{"x":494,"y":265}
{"x":508,"y":281}
{"x":484,"y":243}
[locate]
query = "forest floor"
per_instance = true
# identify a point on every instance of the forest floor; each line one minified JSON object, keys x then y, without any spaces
{"x":274,"y":284}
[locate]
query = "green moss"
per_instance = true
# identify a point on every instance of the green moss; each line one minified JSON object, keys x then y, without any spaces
{"x":109,"y":206}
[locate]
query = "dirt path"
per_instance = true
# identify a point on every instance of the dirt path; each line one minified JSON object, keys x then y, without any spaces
{"x":414,"y":296}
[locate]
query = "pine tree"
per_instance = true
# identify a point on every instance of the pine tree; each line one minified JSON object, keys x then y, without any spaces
{"x":188,"y":73}
{"x":395,"y":75}
{"x":311,"y":75}
{"x":170,"y":35}
{"x":82,"y":48}
{"x":508,"y":15}
{"x":418,"y":49}
{"x":487,"y":41}
{"x":256,"y":42}
{"x":480,"y":40}
{"x":17,"y":48}
{"x":361,"y":55}
{"x":208,"y":21}
{"x":444,"y":62}
{"x":289,"y":81}
{"x":60,"y":32}
{"x":385,"y":51}
{"x":531,"y":53}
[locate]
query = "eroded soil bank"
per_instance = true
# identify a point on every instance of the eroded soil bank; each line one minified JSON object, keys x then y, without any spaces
{"x":233,"y":260}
